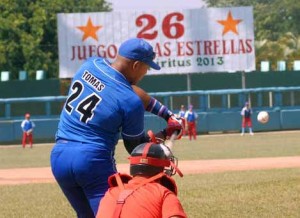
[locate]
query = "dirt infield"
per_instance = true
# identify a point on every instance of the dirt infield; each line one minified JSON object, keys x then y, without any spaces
{"x":44,"y":175}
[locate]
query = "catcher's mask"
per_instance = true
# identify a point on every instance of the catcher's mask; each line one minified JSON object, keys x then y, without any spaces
{"x":149,"y":159}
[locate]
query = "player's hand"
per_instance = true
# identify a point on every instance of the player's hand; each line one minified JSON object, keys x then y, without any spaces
{"x":174,"y":126}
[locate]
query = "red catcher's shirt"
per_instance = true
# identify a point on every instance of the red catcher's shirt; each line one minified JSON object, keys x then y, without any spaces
{"x":149,"y":201}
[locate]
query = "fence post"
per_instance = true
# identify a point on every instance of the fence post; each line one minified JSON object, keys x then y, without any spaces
{"x":166,"y":101}
{"x":203,"y":102}
{"x":259,"y":99}
{"x":242,"y":99}
{"x":278,"y":99}
{"x":7,"y":110}
{"x":224,"y":101}
{"x":48,"y":108}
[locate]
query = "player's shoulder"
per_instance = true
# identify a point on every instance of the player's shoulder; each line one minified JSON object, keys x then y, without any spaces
{"x":88,"y":66}
{"x":132,"y":99}
{"x":130,"y":102}
{"x":159,"y":189}
{"x":93,"y":58}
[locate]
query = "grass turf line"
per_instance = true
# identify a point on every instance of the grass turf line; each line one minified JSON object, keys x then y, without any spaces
{"x":224,"y":146}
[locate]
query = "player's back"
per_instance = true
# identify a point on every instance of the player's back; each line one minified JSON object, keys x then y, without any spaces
{"x":98,"y":99}
{"x":150,"y":200}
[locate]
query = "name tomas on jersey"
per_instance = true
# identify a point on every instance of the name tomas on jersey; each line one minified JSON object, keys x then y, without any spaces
{"x":93,"y":81}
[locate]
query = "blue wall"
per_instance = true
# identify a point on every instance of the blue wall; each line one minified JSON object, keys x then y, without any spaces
{"x":231,"y":121}
{"x":10,"y":131}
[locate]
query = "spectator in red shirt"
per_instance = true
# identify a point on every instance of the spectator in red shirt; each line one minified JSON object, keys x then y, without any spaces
{"x":151,"y":192}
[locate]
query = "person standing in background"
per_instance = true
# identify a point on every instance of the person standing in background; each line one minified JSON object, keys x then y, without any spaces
{"x":27,"y":127}
{"x":181,"y":115}
{"x":246,"y":118}
{"x":191,"y":118}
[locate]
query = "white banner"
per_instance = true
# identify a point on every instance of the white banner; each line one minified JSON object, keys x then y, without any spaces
{"x":121,"y":5}
{"x":185,"y":41}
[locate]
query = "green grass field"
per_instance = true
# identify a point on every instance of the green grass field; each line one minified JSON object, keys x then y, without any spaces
{"x":269,"y":193}
{"x":264,"y":193}
{"x":224,"y":146}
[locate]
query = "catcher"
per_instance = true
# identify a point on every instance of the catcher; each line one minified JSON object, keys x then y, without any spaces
{"x":150,"y":192}
{"x":27,"y":126}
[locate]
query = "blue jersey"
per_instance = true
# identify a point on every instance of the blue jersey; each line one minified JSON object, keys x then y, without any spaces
{"x":246,"y":112}
{"x":27,"y":125}
{"x":181,"y":114}
{"x":191,"y":116}
{"x":101,"y":103}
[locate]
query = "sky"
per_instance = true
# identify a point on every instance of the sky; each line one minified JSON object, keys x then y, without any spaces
{"x":155,"y":4}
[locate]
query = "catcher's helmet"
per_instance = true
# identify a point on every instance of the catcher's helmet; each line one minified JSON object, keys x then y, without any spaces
{"x":149,"y":159}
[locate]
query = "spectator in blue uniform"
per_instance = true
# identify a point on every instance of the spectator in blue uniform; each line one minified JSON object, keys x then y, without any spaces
{"x":27,"y":127}
{"x":191,"y":118}
{"x":181,"y":114}
{"x":246,"y":118}
{"x":103,"y":102}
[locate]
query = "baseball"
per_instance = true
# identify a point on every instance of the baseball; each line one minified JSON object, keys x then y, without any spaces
{"x":263,"y":117}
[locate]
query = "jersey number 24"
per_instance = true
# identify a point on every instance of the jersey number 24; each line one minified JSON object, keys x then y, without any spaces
{"x":86,"y":106}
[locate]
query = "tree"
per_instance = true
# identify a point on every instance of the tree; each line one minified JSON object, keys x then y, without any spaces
{"x":28,"y":32}
{"x":277,"y":28}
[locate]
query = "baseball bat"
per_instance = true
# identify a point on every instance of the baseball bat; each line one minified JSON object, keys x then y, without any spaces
{"x":170,"y":143}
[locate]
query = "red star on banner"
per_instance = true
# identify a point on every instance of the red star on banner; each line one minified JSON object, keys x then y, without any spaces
{"x":230,"y":24}
{"x":89,"y":30}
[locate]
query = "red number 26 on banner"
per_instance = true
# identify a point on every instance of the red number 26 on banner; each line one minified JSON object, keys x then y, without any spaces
{"x":171,"y":30}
